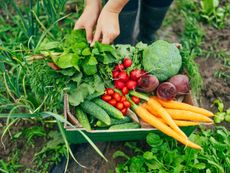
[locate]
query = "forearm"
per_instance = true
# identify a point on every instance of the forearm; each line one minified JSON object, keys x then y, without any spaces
{"x":95,"y":3}
{"x":115,"y":6}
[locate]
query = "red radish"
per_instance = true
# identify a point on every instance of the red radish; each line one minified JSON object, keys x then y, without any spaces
{"x":124,"y":111}
{"x":131,"y":84}
{"x":125,"y":90}
{"x":119,"y":67}
{"x":106,"y":98}
{"x":113,"y":102}
{"x":123,"y":76}
{"x":135,"y":74}
{"x":127,"y":62}
{"x":117,"y":97}
{"x":123,"y":98}
{"x":135,"y":99}
{"x":119,"y":84}
{"x":166,"y":91}
{"x":109,"y":91}
{"x":126,"y":104}
{"x":115,"y":73}
{"x":119,"y":106}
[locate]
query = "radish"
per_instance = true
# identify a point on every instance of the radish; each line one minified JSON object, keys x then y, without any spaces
{"x":131,"y":84}
{"x":123,"y":76}
{"x":135,"y":74}
{"x":127,"y":62}
{"x":119,"y":84}
{"x":115,"y":73}
{"x":119,"y":67}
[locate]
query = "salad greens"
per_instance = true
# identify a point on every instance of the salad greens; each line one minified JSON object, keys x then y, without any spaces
{"x":165,"y":156}
{"x":84,"y":70}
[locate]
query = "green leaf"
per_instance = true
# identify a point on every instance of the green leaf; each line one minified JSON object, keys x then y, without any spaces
{"x":107,"y":58}
{"x":77,"y":78}
{"x":65,"y":60}
{"x":199,"y":166}
{"x":49,"y":45}
{"x":148,"y":155}
{"x":137,"y":164}
{"x":89,"y":69}
{"x":120,"y":154}
{"x":92,"y":61}
{"x":86,"y":52}
{"x":153,"y":140}
{"x":68,"y":71}
{"x":219,"y":104}
{"x":74,"y":62}
{"x":95,"y":51}
{"x":76,"y":96}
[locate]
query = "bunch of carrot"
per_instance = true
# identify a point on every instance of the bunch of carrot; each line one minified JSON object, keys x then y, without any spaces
{"x":166,"y":116}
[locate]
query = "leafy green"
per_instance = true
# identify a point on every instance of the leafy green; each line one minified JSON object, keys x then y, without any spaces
{"x":221,"y":115}
{"x":79,"y":69}
{"x":165,"y":155}
{"x":162,"y":59}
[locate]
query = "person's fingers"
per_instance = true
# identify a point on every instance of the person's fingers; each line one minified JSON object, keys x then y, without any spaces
{"x":89,"y":33}
{"x":96,"y":36}
{"x":105,"y":39}
{"x":78,"y":25}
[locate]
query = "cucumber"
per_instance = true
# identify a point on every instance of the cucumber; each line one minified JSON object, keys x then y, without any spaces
{"x":114,"y":122}
{"x":125,"y":126}
{"x":96,"y":111}
{"x":112,"y":111}
{"x":83,"y":119}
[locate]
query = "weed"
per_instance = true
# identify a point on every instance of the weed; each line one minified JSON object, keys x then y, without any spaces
{"x":214,"y":12}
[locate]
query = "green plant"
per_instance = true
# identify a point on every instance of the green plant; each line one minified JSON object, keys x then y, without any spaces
{"x":221,"y":115}
{"x":166,"y":155}
{"x":214,"y":12}
{"x":12,"y":164}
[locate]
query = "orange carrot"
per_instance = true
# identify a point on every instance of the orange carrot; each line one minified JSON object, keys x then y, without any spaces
{"x":183,"y":123}
{"x":186,"y":123}
{"x":159,"y":110}
{"x":187,"y":115}
{"x":184,"y":106}
{"x":155,"y":122}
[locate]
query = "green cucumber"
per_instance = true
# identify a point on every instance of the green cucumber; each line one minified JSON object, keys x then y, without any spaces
{"x":125,"y":126}
{"x":112,"y":111}
{"x":83,"y":119}
{"x":114,"y":122}
{"x":96,"y":111}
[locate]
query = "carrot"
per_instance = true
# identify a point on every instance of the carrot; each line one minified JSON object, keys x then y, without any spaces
{"x":155,"y":122}
{"x":184,"y":106}
{"x":186,"y":123}
{"x":183,"y":123}
{"x":159,"y":110}
{"x":181,"y":115}
{"x":187,"y":115}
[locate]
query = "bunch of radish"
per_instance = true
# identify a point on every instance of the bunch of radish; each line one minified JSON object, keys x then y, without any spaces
{"x":115,"y":99}
{"x":124,"y":81}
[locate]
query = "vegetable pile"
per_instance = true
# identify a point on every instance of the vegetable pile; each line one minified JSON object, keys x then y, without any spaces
{"x":102,"y":84}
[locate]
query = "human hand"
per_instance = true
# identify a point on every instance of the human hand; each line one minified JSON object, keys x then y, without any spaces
{"x":89,"y":18}
{"x":107,"y":27}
